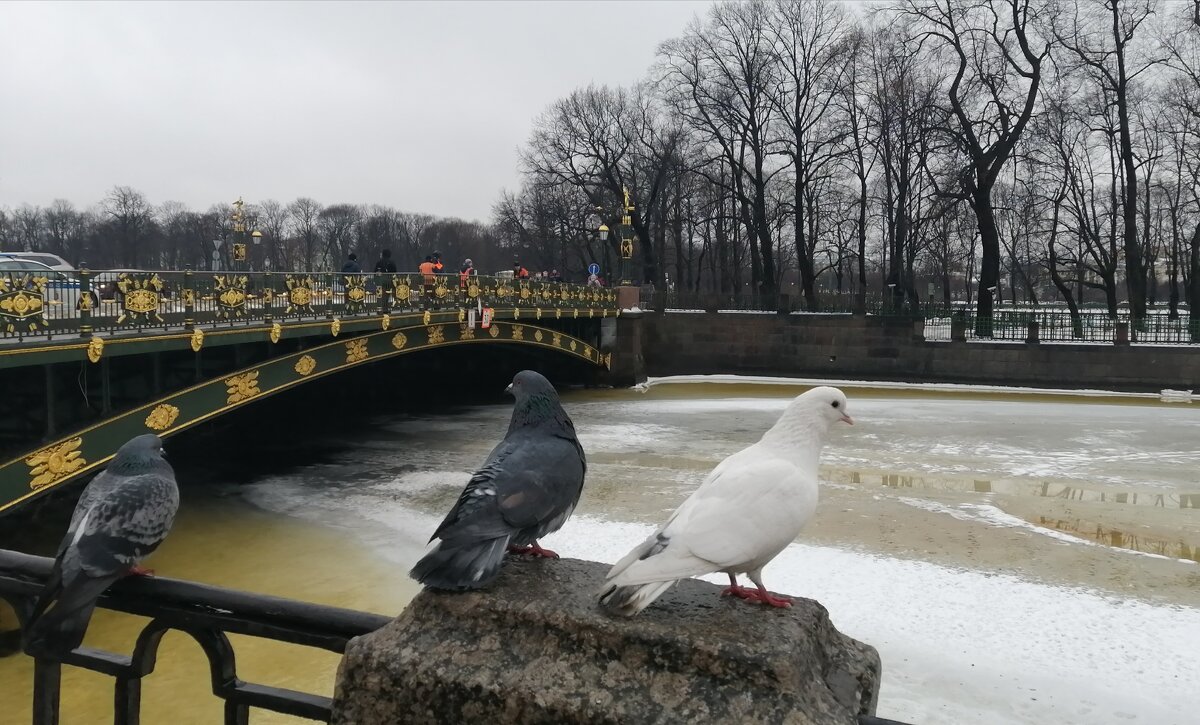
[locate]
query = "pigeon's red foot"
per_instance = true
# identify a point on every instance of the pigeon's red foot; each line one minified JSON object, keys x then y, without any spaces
{"x":739,"y":592}
{"x":765,"y":597}
{"x":136,"y":570}
{"x":532,"y":550}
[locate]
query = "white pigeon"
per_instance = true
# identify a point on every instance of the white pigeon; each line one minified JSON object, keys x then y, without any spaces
{"x":752,"y":505}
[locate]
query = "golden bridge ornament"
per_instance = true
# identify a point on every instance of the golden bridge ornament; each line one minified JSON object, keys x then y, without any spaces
{"x":162,"y":417}
{"x":22,"y":303}
{"x":437,"y":335}
{"x":426,"y":318}
{"x":356,"y":350}
{"x":518,"y":332}
{"x":385,"y":322}
{"x":51,"y":464}
{"x":335,"y":327}
{"x":242,"y":387}
{"x":230,"y":292}
{"x":305,"y":365}
{"x":141,"y":297}
{"x":95,"y":348}
{"x":276,"y":332}
{"x":399,"y":340}
{"x":356,"y":293}
{"x":473,"y":289}
{"x":300,"y":294}
{"x":401,"y":290}
{"x":466,"y":332}
{"x":197,"y":339}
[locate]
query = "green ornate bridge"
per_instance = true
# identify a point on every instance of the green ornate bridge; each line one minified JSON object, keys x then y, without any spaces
{"x":164,"y":351}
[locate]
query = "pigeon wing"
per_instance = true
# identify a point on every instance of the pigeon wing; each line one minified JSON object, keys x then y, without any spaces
{"x":525,"y":483}
{"x":732,"y":519}
{"x":127,"y":525}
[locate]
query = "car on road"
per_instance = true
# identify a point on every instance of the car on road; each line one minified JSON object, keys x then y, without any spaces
{"x":62,"y":288}
{"x":53,"y":261}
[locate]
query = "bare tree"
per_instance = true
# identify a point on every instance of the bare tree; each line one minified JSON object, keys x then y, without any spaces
{"x":1100,"y":39}
{"x":305,"y":213}
{"x":997,"y":60}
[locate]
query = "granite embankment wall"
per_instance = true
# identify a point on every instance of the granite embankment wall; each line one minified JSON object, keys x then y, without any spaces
{"x":870,"y":348}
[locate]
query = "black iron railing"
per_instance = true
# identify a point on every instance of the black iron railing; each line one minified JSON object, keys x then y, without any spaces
{"x":1043,"y":324}
{"x":89,"y":301}
{"x":208,"y":614}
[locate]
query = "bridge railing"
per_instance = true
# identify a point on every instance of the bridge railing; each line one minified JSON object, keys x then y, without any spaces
{"x":116,"y":301}
{"x":208,"y":614}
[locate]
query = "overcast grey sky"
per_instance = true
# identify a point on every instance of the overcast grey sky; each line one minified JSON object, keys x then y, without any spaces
{"x":416,"y":105}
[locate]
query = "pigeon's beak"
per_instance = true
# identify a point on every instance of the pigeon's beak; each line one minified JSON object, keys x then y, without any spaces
{"x":508,"y":389}
{"x":847,"y":419}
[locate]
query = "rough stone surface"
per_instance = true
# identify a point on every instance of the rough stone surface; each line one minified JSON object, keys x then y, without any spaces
{"x":534,"y":648}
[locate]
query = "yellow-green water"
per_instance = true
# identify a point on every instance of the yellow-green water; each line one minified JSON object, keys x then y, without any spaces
{"x":223,"y":541}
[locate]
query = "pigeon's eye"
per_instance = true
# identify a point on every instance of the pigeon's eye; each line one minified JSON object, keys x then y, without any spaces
{"x":836,"y":403}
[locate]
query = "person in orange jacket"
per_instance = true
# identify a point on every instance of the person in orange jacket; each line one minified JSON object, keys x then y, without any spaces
{"x":466,"y":273}
{"x":428,"y":271}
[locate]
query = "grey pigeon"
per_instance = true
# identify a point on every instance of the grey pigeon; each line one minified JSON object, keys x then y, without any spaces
{"x":121,"y":517}
{"x":752,"y":505}
{"x":526,"y":489}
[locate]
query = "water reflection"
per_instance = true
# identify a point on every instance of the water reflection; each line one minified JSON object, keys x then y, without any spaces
{"x":1109,"y":536}
{"x":1017,"y":487}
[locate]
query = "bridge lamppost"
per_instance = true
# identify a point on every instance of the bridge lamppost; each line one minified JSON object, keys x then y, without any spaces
{"x":238,"y":217}
{"x":626,"y":236}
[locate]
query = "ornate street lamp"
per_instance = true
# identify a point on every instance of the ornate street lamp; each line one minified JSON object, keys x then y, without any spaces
{"x":625,"y":235}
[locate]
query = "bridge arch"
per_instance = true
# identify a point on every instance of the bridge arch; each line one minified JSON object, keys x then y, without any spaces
{"x":85,"y":451}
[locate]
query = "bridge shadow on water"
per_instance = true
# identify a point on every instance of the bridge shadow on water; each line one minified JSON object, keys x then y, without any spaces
{"x":308,"y":425}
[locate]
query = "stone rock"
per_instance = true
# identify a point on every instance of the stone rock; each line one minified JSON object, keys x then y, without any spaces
{"x":535,"y":648}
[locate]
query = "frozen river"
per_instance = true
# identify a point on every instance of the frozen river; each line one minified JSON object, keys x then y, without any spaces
{"x":1014,"y":558}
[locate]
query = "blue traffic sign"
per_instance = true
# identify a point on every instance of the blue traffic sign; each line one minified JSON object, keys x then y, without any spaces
{"x":593,"y":268}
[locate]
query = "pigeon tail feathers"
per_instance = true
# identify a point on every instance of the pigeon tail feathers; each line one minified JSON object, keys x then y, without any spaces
{"x":456,"y":567}
{"x":629,"y":600}
{"x":60,"y":618}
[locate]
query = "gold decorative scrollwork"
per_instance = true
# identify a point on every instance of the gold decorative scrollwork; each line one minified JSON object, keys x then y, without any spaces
{"x":587,"y":351}
{"x":242,"y":387}
{"x":537,"y":335}
{"x":23,"y":302}
{"x":516,"y":313}
{"x":494,"y":331}
{"x":557,"y":314}
{"x":189,"y":297}
{"x":571,"y":345}
{"x":426,"y":318}
{"x":356,"y":350}
{"x":576,"y":312}
{"x":231,"y":295}
{"x":356,"y":293}
{"x":300,"y":294}
{"x":162,"y":417}
{"x":335,"y":327}
{"x":504,"y":291}
{"x":518,"y":332}
{"x":466,"y":332}
{"x":305,"y":365}
{"x":276,"y":332}
{"x":462,"y":314}
{"x":141,"y":297}
{"x":441,"y":290}
{"x":385,"y":322}
{"x":95,"y":348}
{"x":50,"y":464}
{"x":473,"y":289}
{"x":539,"y":313}
{"x":525,"y":291}
{"x":556,"y":339}
{"x":437,"y":334}
{"x":197,"y":339}
{"x":565,"y":295}
{"x":399,"y":340}
{"x":401,"y":289}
